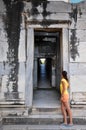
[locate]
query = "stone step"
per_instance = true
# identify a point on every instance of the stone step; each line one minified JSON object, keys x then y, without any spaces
{"x":46,"y":111}
{"x":43,"y":116}
{"x":32,"y":120}
{"x":40,"y":120}
{"x":43,"y":127}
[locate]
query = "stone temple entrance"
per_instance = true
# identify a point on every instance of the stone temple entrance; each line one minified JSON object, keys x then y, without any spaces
{"x":47,"y":68}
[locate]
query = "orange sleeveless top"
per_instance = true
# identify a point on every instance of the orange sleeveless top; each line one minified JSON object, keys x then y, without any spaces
{"x":66,"y":86}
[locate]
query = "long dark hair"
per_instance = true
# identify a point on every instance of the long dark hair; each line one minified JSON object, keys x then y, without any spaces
{"x":64,"y":73}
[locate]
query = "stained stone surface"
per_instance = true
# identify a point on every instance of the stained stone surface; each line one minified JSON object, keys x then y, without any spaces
{"x":43,"y":127}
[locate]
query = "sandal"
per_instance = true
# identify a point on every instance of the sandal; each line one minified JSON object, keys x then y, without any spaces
{"x":70,"y":125}
{"x":63,"y":124}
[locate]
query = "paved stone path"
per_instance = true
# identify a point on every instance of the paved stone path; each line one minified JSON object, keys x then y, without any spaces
{"x":42,"y":127}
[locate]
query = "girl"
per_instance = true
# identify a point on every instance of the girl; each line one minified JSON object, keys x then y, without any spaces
{"x":65,"y":107}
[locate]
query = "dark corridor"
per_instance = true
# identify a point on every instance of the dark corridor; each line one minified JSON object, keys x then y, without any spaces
{"x":46,"y":68}
{"x":46,"y":46}
{"x":44,"y":73}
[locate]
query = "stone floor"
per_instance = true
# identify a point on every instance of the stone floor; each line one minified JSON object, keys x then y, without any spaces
{"x":46,"y":99}
{"x":42,"y":127}
{"x":45,"y":95}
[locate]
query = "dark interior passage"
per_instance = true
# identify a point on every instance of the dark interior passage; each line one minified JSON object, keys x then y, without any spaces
{"x":44,"y":73}
{"x":47,"y":67}
{"x":46,"y":46}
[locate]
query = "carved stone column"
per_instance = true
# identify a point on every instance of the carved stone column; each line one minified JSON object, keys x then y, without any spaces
{"x":29,"y":67}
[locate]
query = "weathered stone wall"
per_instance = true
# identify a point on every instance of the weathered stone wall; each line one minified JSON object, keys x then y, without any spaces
{"x":15,"y":45}
{"x":12,"y":53}
{"x":47,"y":13}
{"x":71,"y":18}
{"x":77,"y":53}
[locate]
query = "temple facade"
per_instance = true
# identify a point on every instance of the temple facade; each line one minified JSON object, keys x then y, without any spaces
{"x":30,"y":31}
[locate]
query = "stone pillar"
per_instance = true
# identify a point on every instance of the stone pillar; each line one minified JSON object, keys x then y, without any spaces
{"x":53,"y":77}
{"x":65,"y":42}
{"x":29,"y":67}
{"x":53,"y":74}
{"x":35,"y":73}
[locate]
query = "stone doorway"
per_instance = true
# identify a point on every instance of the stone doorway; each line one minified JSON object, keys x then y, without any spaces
{"x":47,"y":67}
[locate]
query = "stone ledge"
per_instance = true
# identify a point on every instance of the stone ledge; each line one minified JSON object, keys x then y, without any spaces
{"x":43,"y":127}
{"x":36,"y":120}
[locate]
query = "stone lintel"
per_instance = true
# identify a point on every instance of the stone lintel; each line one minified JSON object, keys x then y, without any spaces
{"x":48,"y":22}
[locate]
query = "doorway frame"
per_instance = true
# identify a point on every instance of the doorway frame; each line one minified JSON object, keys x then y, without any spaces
{"x":64,"y":36}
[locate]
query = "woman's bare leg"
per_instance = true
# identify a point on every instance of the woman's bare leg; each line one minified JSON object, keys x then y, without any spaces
{"x":66,"y":104}
{"x":64,"y":112}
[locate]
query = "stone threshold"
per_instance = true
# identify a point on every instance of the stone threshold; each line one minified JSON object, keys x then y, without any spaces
{"x":43,"y":127}
{"x":40,"y":119}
